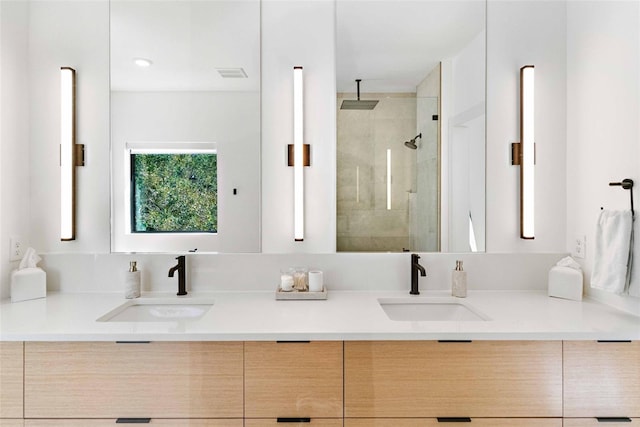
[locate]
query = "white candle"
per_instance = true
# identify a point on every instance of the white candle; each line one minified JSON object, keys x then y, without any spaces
{"x":286,"y":282}
{"x":315,"y":281}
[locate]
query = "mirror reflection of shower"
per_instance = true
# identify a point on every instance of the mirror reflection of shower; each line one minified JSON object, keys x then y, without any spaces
{"x":383,"y":182}
{"x":412,"y":142}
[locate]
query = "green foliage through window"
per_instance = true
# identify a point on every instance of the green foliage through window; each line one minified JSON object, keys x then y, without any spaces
{"x":174,"y":193}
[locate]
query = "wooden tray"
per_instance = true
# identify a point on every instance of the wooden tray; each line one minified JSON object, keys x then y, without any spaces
{"x":297,"y":295}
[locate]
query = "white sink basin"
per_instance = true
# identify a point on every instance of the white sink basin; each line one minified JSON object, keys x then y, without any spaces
{"x":430,"y":310}
{"x":158,"y":310}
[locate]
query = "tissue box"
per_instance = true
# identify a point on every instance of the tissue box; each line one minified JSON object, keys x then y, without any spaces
{"x":565,"y":282}
{"x":28,"y":283}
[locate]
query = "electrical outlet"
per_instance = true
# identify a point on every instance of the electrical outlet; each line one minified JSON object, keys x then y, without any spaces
{"x":580,"y":248}
{"x":16,"y":250}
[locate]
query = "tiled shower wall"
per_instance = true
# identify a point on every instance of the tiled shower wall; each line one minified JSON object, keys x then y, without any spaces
{"x":364,"y":223}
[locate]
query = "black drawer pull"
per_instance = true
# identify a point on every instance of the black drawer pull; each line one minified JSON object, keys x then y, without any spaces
{"x":612,"y":341}
{"x":133,"y":420}
{"x":613,"y":419}
{"x":293,"y":420}
{"x":454,"y":419}
{"x":293,"y":342}
{"x":454,"y":341}
{"x":133,"y":342}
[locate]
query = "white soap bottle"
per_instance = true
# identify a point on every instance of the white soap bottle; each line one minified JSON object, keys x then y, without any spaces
{"x":132,"y":281}
{"x":459,"y":281}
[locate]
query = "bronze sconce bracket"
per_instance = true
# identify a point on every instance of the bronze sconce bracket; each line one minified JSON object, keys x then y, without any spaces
{"x":306,"y":155}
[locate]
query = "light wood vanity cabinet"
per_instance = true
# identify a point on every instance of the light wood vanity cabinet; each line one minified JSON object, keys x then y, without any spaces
{"x":601,"y":379}
{"x":433,"y":422}
{"x":427,"y":379}
{"x":593,"y":422}
{"x":314,"y":422}
{"x":293,"y":379}
{"x":153,"y":422}
{"x":11,"y":381}
{"x":133,"y":380}
{"x":386,"y":383}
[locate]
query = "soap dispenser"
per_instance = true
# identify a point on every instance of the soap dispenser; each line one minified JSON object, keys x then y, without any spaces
{"x":132,"y":281}
{"x":459,"y":281}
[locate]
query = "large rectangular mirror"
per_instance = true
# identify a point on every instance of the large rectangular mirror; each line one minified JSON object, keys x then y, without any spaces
{"x":185,"y":125}
{"x":411,"y":126}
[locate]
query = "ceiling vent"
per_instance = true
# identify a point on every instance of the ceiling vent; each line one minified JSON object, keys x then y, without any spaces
{"x":232,"y":73}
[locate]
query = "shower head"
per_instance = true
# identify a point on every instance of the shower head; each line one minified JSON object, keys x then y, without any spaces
{"x":351,"y":104}
{"x":412,"y":143}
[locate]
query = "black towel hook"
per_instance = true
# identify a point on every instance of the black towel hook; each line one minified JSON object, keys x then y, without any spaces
{"x":626,"y":184}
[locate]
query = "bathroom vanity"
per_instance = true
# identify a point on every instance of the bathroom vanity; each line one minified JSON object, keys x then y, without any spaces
{"x":254,"y":361}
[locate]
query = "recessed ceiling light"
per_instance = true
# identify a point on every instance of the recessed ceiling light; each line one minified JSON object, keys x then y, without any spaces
{"x":142,"y":62}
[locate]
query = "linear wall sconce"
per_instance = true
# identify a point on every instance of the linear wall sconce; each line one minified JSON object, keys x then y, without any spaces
{"x":524,"y":154}
{"x":71,"y":154}
{"x":298,"y":154}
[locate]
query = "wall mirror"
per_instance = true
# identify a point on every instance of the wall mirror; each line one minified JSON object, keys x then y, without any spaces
{"x":185,"y":126}
{"x":411,"y":166}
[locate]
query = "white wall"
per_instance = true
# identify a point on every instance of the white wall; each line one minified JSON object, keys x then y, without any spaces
{"x":229,"y":119}
{"x":603,"y":119}
{"x":302,"y":33}
{"x":293,"y":33}
{"x":520,"y":33}
{"x":342,"y":271}
{"x":74,"y":34}
{"x":465,"y":146}
{"x":298,"y":33}
{"x":468,"y":75}
{"x":14,"y":133}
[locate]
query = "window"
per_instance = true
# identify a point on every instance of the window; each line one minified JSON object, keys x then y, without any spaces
{"x":173,"y":190}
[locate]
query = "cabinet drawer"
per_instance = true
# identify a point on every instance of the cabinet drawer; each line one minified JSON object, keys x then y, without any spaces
{"x":293,"y":379}
{"x":7,"y":422}
{"x":477,"y":379}
{"x":11,"y":368}
{"x":433,"y":422}
{"x":154,"y":380}
{"x":601,"y":379}
{"x":314,"y":422}
{"x":153,"y":422}
{"x":593,"y":422}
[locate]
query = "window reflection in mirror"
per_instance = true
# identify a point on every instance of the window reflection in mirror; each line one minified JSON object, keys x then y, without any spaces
{"x":184,"y":73}
{"x":411,"y":167}
{"x":173,"y":190}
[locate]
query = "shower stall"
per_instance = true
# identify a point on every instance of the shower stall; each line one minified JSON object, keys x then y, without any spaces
{"x":387,"y":173}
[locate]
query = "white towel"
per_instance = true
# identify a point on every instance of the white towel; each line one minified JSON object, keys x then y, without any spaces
{"x":612,"y":263}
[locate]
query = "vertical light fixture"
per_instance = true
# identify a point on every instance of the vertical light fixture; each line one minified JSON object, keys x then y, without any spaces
{"x":71,"y":154}
{"x":298,"y":164}
{"x":523,"y":153}
{"x":388,"y":179}
{"x":357,"y":184}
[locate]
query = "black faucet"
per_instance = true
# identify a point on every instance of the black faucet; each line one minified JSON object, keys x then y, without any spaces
{"x":415,"y":267}
{"x":182,"y":283}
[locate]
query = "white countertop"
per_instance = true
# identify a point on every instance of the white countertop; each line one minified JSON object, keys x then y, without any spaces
{"x":345,"y":315}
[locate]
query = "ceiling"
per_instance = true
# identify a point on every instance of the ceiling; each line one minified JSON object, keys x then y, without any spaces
{"x":390,"y":44}
{"x":393,"y":44}
{"x":187,"y":41}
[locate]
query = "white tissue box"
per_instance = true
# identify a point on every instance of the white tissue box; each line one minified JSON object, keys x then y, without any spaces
{"x":565,"y":282}
{"x":28,"y":283}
